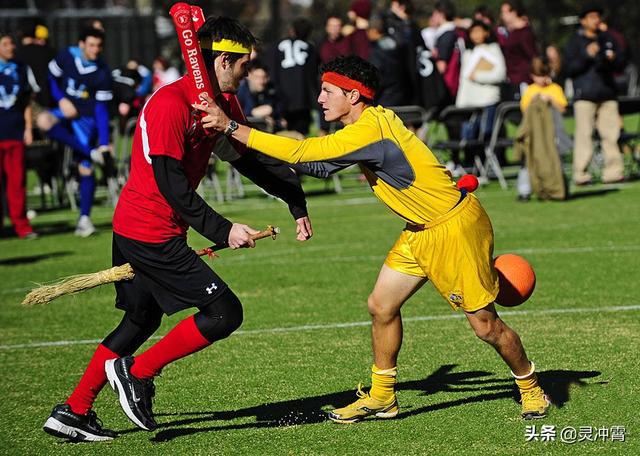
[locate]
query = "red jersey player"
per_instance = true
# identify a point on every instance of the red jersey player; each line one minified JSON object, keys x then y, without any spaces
{"x":157,"y":205}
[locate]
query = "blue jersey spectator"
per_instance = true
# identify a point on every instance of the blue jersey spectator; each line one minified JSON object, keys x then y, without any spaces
{"x":80,"y":83}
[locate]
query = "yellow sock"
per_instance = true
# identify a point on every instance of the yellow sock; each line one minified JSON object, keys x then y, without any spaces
{"x":528,"y":381}
{"x":383,"y":382}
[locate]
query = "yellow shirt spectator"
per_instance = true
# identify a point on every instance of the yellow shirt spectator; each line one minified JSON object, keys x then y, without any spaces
{"x":552,"y":91}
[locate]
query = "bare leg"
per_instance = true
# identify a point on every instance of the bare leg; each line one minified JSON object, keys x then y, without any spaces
{"x":490,"y":328}
{"x":392,"y":289}
{"x":390,"y":292}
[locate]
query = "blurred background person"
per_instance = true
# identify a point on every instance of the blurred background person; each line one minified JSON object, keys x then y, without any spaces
{"x":42,"y":155}
{"x":34,"y":51}
{"x":163,"y":72}
{"x":356,"y":32}
{"x":553,"y":57}
{"x":543,"y":87}
{"x":81,"y":83}
{"x":334,"y":43}
{"x":449,"y":44}
{"x":592,"y":58}
{"x":16,"y":130}
{"x":542,"y":172}
{"x":258,"y":97}
{"x":146,"y":79}
{"x":126,"y":83}
{"x":402,"y":28}
{"x":518,"y":44}
{"x":482,"y":71}
{"x":95,"y":23}
{"x":388,"y":58}
{"x":293,"y":66}
{"x":620,"y":76}
{"x":483,"y":13}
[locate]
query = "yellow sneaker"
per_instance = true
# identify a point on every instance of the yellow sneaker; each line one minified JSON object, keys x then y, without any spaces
{"x":365,"y":406}
{"x":534,"y":403}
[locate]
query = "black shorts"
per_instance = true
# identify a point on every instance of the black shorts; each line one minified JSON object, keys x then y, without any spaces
{"x":169,"y":275}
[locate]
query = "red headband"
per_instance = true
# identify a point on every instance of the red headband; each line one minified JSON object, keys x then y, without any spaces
{"x":347,"y":83}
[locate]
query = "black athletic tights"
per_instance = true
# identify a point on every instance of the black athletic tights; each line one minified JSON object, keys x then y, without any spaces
{"x":216,"y":321}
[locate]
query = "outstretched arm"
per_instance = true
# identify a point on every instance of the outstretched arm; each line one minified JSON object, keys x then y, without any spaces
{"x":339,"y":146}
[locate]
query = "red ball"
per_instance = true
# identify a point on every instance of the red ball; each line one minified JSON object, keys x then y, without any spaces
{"x":469,"y":182}
{"x":517,"y":279}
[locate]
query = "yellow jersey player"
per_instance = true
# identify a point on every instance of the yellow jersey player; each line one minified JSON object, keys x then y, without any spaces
{"x":448,"y":238}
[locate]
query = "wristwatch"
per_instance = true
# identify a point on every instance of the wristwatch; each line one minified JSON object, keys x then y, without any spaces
{"x":233,"y":126}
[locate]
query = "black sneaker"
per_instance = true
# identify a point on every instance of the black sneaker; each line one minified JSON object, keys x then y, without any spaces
{"x":134,"y":394}
{"x":66,"y":424}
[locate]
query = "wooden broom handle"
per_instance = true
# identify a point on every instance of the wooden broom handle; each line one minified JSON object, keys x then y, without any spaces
{"x":271,"y":232}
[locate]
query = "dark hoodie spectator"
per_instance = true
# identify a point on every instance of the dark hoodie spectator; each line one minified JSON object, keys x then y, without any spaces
{"x":257,"y":96}
{"x":293,"y":66}
{"x":401,"y":27}
{"x":591,"y":59}
{"x":35,"y":51}
{"x":388,"y":58}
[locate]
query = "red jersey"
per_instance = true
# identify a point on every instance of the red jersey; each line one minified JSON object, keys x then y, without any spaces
{"x":166,"y":126}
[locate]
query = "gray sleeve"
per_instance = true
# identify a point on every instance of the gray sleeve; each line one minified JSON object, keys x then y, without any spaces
{"x":321,"y":170}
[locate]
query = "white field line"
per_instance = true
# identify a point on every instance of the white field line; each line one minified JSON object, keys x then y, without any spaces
{"x":354,"y":324}
{"x":262,"y":256}
{"x":271,"y":257}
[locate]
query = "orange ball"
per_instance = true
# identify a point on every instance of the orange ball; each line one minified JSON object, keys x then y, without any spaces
{"x":517,"y":279}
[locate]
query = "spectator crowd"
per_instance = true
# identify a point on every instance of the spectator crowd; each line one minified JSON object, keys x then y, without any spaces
{"x":68,"y":98}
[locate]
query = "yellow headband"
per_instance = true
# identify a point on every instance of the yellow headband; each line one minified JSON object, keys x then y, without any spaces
{"x":225,"y":45}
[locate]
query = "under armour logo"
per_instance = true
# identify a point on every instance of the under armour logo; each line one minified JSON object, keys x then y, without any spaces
{"x":211,"y":288}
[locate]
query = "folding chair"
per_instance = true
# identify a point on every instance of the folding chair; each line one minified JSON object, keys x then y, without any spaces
{"x":415,"y":115}
{"x":628,"y":106}
{"x":44,"y":157}
{"x":453,"y":118}
{"x":123,"y":150}
{"x":259,"y":123}
{"x":71,"y":184}
{"x":507,"y":112}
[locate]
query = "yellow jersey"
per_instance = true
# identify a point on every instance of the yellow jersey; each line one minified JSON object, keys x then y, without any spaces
{"x":402,"y":171}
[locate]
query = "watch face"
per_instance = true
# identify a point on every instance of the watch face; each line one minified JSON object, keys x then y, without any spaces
{"x":233,"y":126}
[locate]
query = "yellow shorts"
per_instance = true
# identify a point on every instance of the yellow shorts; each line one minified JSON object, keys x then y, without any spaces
{"x":455,"y":252}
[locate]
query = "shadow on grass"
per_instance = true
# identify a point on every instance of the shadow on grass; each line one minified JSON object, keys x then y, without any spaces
{"x":51,"y":228}
{"x":480,"y":385}
{"x":587,"y":193}
{"x":557,"y":383}
{"x":32,"y":258}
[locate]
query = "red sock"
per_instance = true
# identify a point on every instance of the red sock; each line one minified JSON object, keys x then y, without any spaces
{"x":185,"y":338}
{"x":92,"y":381}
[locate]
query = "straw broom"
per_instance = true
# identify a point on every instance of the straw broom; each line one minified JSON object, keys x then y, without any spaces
{"x":73,"y":284}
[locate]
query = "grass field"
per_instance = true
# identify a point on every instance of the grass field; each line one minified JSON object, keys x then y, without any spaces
{"x":304,"y":344}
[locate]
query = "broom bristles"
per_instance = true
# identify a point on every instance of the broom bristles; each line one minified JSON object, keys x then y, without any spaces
{"x":73,"y":284}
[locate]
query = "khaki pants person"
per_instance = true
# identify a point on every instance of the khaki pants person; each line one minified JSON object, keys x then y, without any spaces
{"x":605,"y":117}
